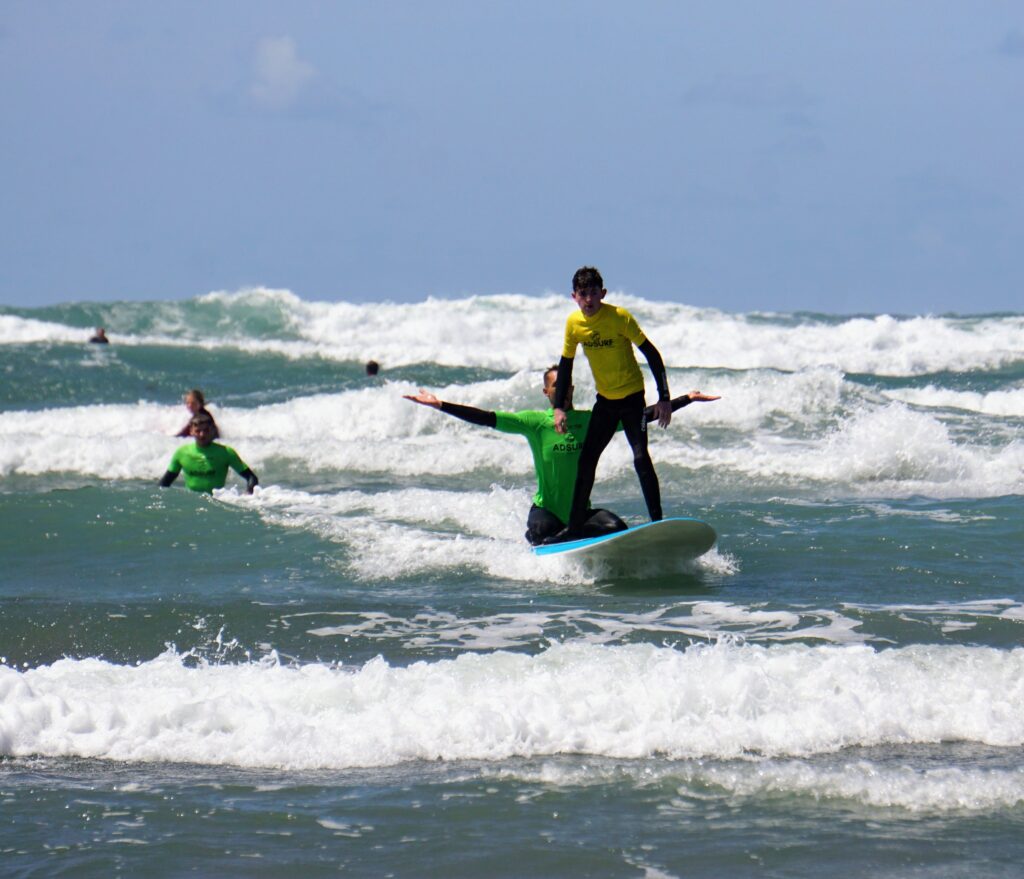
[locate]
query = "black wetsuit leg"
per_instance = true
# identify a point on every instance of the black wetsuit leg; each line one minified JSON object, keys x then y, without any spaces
{"x":602,"y":522}
{"x":603,"y":422}
{"x":634,"y":423}
{"x":606,"y":417}
{"x":540,"y":524}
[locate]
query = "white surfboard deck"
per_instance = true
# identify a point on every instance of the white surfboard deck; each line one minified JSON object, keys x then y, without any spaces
{"x":678,"y":539}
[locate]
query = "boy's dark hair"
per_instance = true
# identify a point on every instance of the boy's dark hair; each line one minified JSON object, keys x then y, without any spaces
{"x":200,"y":418}
{"x":586,"y":277}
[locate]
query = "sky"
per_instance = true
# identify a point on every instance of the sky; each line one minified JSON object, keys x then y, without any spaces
{"x":747,"y":155}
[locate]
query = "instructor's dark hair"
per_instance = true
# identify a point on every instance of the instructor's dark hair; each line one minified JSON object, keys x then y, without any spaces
{"x":586,"y":277}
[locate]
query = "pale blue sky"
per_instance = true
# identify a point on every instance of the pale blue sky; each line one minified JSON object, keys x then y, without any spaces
{"x":749,"y":155}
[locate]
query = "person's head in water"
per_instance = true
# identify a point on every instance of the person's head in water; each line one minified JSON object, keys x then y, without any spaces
{"x":100,"y":336}
{"x":202,"y":429}
{"x":194,"y":400}
{"x":372,"y":367}
{"x":550,"y":377}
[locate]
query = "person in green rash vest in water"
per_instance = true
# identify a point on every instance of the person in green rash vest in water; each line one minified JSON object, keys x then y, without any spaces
{"x":205,"y":462}
{"x":555,"y":456}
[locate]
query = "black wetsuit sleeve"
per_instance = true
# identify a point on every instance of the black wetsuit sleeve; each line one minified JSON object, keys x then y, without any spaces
{"x":186,"y":430}
{"x":677,"y":403}
{"x":657,"y":368}
{"x":470,"y":414}
{"x":167,"y":479}
{"x":562,"y":381}
{"x":251,"y":480}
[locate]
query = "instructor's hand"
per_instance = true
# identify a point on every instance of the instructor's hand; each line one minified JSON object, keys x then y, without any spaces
{"x":663,"y":412}
{"x":560,"y":421}
{"x":424,"y":398}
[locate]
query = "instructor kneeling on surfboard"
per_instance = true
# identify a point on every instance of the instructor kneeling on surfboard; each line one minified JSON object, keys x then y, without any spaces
{"x":555,"y":456}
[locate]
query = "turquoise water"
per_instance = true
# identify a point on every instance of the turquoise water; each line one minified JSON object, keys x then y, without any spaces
{"x":362,"y":669}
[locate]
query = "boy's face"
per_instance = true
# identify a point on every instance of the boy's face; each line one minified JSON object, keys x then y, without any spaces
{"x":589,"y":299}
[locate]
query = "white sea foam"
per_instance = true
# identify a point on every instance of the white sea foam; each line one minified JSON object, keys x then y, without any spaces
{"x":717,"y":701}
{"x":950,"y":616}
{"x":1008,"y":403}
{"x":875,"y":452}
{"x":774,"y":430}
{"x":865,"y":782}
{"x":415,"y":532}
{"x":887,"y":511}
{"x":23,"y":330}
{"x":512,"y":331}
{"x":681,"y":623}
{"x":876,"y":784}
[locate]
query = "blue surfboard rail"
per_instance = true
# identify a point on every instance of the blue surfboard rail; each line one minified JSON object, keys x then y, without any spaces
{"x":551,"y":549}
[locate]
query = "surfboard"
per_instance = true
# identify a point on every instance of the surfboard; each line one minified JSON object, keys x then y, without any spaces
{"x":677,"y":538}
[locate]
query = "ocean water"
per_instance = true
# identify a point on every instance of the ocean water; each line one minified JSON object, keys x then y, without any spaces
{"x":362,"y":670}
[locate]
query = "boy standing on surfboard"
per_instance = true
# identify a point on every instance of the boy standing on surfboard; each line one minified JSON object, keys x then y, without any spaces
{"x":608,"y":334}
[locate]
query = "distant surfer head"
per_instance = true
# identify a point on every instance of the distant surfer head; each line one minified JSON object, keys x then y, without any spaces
{"x":550,"y":377}
{"x":372,"y":367}
{"x":588,"y":290}
{"x":202,"y":429}
{"x":194,"y":400}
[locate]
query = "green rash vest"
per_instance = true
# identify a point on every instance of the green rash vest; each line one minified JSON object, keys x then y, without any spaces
{"x":206,"y":467}
{"x":555,"y":455}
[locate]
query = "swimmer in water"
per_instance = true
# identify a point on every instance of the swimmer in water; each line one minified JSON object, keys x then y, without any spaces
{"x":195,"y":402}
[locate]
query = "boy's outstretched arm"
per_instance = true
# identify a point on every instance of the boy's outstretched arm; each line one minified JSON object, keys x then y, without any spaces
{"x":466,"y":413}
{"x":563,"y":380}
{"x":663,"y":408}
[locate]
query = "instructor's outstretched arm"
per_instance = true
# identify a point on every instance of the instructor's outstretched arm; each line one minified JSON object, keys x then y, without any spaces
{"x":466,"y":413}
{"x":684,"y":400}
